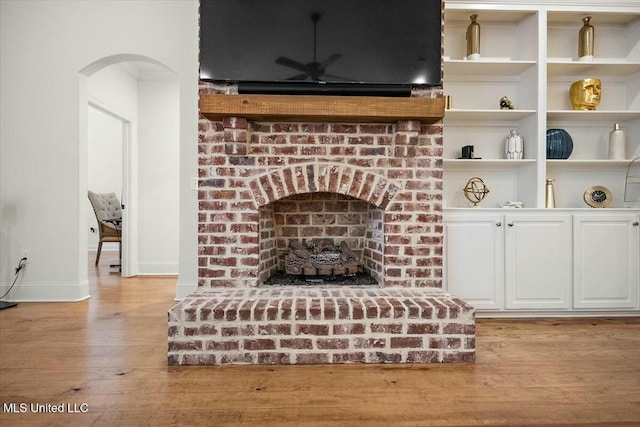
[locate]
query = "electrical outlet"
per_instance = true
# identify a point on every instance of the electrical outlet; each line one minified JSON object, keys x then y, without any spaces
{"x":25,"y":254}
{"x":194,"y":183}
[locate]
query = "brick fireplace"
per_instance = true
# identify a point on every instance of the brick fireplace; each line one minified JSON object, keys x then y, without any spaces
{"x":279,"y":172}
{"x":264,"y":183}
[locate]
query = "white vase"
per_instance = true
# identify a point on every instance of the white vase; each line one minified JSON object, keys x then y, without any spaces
{"x":617,"y":143}
{"x":514,"y":145}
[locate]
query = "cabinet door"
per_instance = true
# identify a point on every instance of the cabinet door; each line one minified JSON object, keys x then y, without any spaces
{"x":606,"y":261}
{"x":473,"y":259}
{"x":538,"y":261}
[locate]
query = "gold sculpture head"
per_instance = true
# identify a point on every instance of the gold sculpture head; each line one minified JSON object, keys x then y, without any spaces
{"x":585,"y":94}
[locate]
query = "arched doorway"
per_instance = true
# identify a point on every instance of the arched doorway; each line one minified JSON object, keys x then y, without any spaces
{"x":143,"y":96}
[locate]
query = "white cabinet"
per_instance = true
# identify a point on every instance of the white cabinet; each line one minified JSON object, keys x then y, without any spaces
{"x":496,"y":261}
{"x":544,"y":261}
{"x":606,"y":261}
{"x":474,"y":260}
{"x":538,"y":261}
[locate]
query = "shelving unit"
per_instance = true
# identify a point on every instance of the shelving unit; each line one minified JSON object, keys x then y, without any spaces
{"x":495,"y":256}
{"x":528,"y":53}
{"x":508,"y":67}
{"x":617,"y":64}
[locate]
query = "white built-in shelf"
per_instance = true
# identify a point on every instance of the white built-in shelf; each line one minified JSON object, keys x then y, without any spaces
{"x":485,"y":67}
{"x":597,"y":68}
{"x":597,"y":17}
{"x":592,"y":116}
{"x":461,"y":12}
{"x":579,"y":163}
{"x":528,"y":54}
{"x":461,"y":164}
{"x":464,"y":114}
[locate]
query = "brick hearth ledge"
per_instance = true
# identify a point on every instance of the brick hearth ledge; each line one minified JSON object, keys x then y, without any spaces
{"x":316,"y":325}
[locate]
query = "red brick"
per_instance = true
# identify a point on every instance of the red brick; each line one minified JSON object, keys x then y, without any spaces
{"x":406,"y":342}
{"x":459,"y":357}
{"x":383,"y":357}
{"x":356,"y":357}
{"x":300,"y":309}
{"x":332,"y":343}
{"x":329,"y":309}
{"x":274,"y":329}
{"x":456,"y":328}
{"x":274,"y":359}
{"x":422,"y":328}
{"x":244,"y":358}
{"x":315,"y":309}
{"x":369,"y":342}
{"x":272,"y":310}
{"x":222,"y":345}
{"x":349,"y":329}
{"x":285,"y":308}
{"x":312,"y":358}
{"x":392,"y":328}
{"x":259,"y":344}
{"x":343,"y":309}
{"x":198,"y":359}
{"x":423,"y":357}
{"x":296,"y":343}
{"x":185,"y":346}
{"x":312,"y":330}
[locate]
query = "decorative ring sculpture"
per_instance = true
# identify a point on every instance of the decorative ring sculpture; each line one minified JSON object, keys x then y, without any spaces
{"x":475,"y":190}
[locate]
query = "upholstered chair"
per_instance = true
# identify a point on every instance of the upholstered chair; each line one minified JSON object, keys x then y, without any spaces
{"x":108,"y":212}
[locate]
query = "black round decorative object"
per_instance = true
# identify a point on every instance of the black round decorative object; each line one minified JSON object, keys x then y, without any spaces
{"x":559,"y":144}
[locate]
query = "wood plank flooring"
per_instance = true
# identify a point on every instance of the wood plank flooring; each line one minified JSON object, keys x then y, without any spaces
{"x":109,"y":353}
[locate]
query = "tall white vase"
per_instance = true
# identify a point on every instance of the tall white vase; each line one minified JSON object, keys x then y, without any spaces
{"x":617,"y":143}
{"x":514,"y":145}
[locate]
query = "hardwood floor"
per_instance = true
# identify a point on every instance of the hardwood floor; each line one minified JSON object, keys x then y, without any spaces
{"x":109,"y":353}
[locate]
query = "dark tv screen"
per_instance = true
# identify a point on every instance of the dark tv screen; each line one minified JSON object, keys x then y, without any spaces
{"x":372,"y":42}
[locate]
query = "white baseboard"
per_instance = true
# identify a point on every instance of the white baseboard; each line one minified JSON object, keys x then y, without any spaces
{"x":46,"y":292}
{"x":159,"y":269}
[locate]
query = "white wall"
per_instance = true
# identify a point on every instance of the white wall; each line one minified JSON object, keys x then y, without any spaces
{"x":47,"y":50}
{"x":158,"y":176}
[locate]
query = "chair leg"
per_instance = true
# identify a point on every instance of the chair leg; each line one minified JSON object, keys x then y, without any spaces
{"x":99,"y":250}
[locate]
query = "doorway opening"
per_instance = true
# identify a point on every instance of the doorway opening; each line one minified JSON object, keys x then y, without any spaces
{"x":129,"y":133}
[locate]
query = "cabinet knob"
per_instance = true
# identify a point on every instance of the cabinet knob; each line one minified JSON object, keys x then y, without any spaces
{"x":510,"y":224}
{"x":636,"y":223}
{"x":498,"y":224}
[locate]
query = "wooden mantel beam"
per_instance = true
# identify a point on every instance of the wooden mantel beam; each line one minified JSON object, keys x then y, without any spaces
{"x":318,"y":108}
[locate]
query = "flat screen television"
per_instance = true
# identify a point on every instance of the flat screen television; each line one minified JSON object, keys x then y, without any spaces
{"x":346,"y":47}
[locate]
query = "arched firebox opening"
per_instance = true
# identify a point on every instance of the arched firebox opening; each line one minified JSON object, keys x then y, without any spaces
{"x":321,"y":238}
